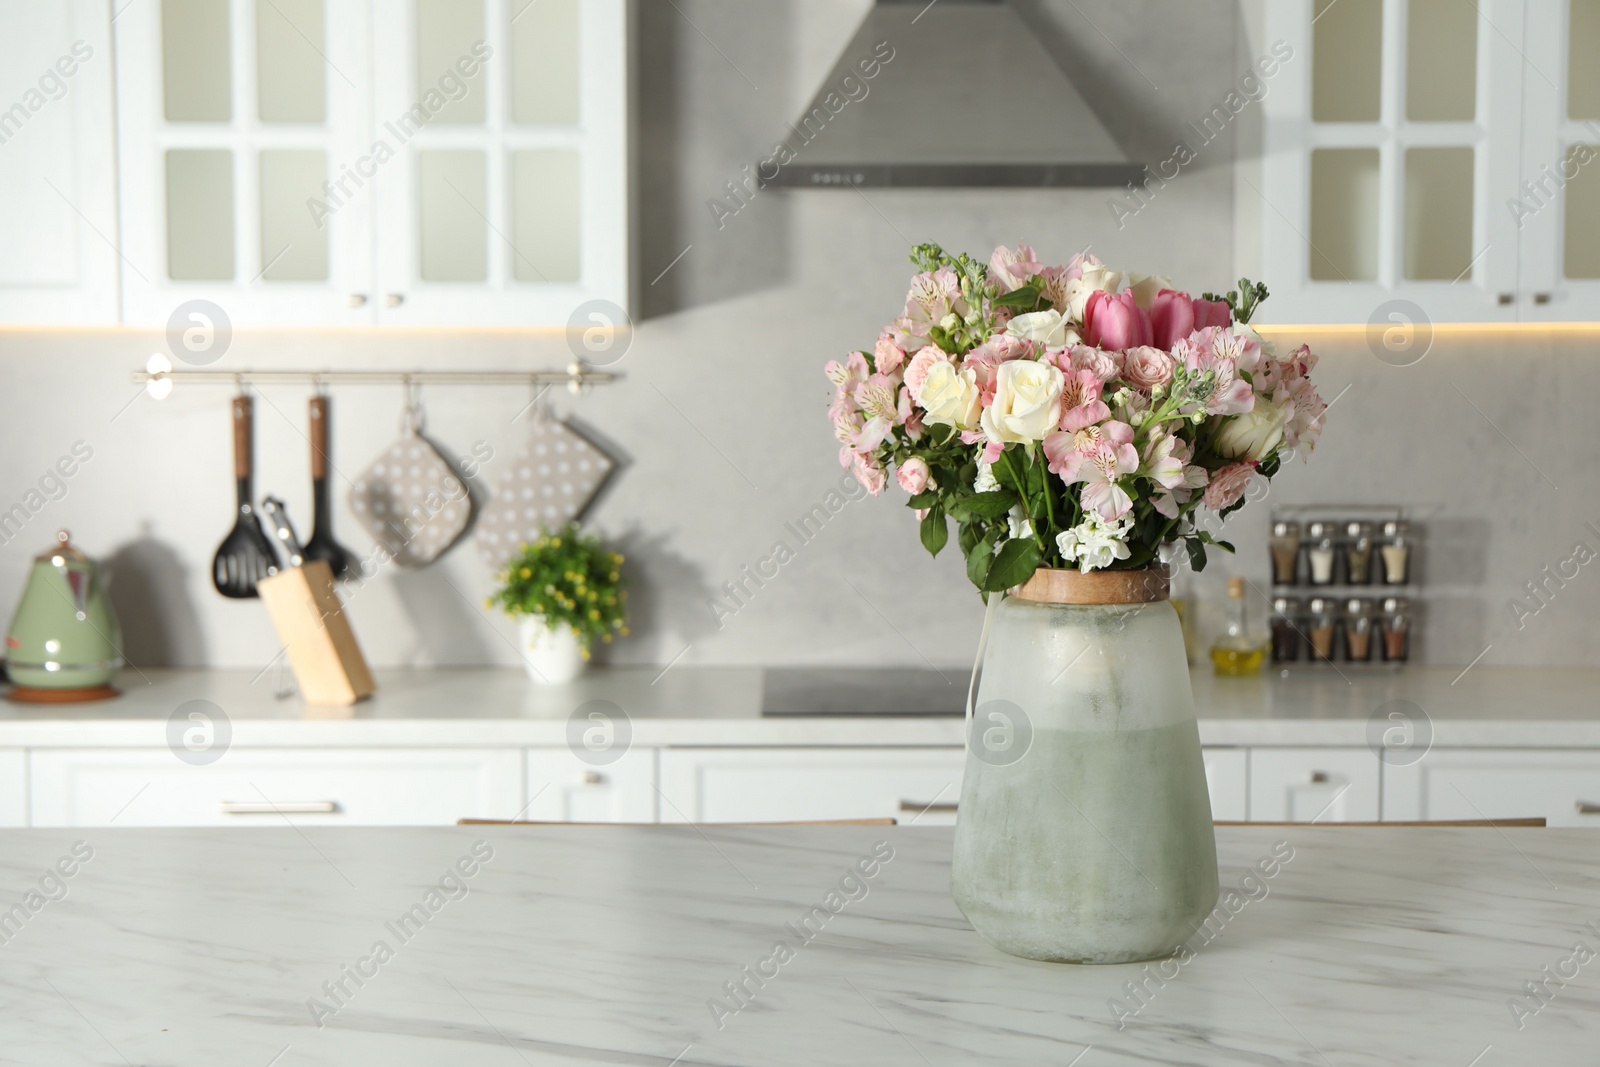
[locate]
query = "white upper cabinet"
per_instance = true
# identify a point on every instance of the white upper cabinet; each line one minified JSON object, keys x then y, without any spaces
{"x":1396,"y":147}
{"x":58,"y":255}
{"x":507,"y":198}
{"x":325,"y":162}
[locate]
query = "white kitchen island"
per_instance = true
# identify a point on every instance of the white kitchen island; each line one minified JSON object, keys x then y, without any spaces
{"x":1364,"y":947}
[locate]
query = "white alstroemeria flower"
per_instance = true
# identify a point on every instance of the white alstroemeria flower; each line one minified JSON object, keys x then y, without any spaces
{"x":1094,"y":543}
{"x":985,"y":482}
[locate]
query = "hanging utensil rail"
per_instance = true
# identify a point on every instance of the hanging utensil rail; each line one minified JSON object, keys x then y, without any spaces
{"x":572,"y":375}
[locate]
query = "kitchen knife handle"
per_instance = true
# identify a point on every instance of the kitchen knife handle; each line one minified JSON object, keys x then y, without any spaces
{"x":242,"y":409}
{"x":319,"y":437}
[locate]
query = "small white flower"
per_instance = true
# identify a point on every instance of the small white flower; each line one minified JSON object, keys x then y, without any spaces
{"x":1017,"y":520}
{"x":950,"y":322}
{"x":1095,"y":543}
{"x":985,"y":482}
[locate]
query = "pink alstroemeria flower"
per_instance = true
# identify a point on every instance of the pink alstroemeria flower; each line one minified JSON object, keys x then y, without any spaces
{"x":1010,"y":268}
{"x":1166,"y":462}
{"x":1217,"y":350}
{"x":1097,"y":456}
{"x":1081,"y":403}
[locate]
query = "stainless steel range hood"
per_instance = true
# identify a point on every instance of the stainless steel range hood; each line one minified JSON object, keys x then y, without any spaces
{"x":968,"y":98}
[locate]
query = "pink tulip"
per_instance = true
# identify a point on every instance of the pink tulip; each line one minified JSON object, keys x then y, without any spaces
{"x":1115,"y":322}
{"x":1211,"y":313}
{"x":1172,"y":316}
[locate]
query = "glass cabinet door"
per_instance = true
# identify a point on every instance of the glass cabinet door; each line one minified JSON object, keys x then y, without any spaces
{"x":1557,"y":201}
{"x":244,"y":179}
{"x":1391,"y":140}
{"x":507,"y":200}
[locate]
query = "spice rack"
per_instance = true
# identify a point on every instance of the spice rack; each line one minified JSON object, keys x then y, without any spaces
{"x":1345,"y":589}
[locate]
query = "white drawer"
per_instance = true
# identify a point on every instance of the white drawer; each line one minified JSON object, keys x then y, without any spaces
{"x":1313,"y":785}
{"x":1471,"y":784}
{"x":564,"y":788}
{"x":1227,"y":780}
{"x":801,"y":784}
{"x":369,"y":787}
{"x":13,"y":787}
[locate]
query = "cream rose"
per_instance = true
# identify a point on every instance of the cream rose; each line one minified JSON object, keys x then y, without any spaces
{"x":1027,"y":401}
{"x":1045,"y":327}
{"x":1094,"y":279}
{"x":951,"y":396}
{"x":1254,"y":435}
{"x":1144,"y":287}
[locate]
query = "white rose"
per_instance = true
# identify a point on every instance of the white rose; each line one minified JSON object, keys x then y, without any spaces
{"x":951,"y":396}
{"x":1045,"y":327}
{"x":1144,"y":287}
{"x":1093,"y":279}
{"x":1254,"y":435}
{"x":1027,"y":401}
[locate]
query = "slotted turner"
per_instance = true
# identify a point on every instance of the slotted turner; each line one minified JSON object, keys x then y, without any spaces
{"x":245,"y":555}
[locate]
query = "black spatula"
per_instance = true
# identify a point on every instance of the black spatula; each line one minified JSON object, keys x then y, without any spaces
{"x":322,"y":545}
{"x":245,"y":555}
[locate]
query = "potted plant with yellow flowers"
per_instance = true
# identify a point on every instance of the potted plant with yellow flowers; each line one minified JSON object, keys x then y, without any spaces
{"x":566,"y":591}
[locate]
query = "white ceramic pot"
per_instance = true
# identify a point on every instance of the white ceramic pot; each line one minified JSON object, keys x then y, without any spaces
{"x":551,"y":657}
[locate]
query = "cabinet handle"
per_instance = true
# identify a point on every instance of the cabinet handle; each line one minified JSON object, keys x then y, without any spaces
{"x":394,"y":300}
{"x":1505,"y":298}
{"x":1541,"y":298}
{"x":593,"y":778}
{"x":1587,"y":808}
{"x":1319,"y":777}
{"x":286,"y":807}
{"x":358,"y":300}
{"x":919,"y":806}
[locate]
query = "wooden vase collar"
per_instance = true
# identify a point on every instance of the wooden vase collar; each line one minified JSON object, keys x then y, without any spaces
{"x":1050,"y":586}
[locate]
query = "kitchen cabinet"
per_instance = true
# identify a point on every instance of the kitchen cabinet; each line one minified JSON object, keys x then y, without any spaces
{"x":1314,"y":785}
{"x":1562,"y":786}
{"x":1228,"y":782}
{"x":58,"y":247}
{"x":564,"y":788}
{"x":331,"y":162}
{"x":13,"y":787}
{"x":264,"y":787}
{"x":913,"y":785}
{"x":1399,"y":141}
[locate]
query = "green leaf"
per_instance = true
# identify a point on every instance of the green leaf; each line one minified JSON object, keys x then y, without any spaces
{"x":1024,"y":297}
{"x":1197,"y":553}
{"x":1226,"y":546}
{"x":991,"y":505}
{"x":925,"y":499}
{"x":939,"y":432}
{"x":935,"y":531}
{"x":979,"y":560}
{"x":1015,"y":564}
{"x":967,"y":536}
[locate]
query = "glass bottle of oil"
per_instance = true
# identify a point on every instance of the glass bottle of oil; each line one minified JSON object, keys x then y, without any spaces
{"x":1236,"y":651}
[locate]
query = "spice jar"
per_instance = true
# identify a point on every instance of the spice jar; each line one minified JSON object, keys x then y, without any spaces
{"x":1396,"y":552}
{"x":1358,"y":553}
{"x":1396,"y":629}
{"x":1358,"y":630}
{"x":1285,"y":547}
{"x":1286,"y":639}
{"x":1320,"y":552}
{"x":1319,"y":628}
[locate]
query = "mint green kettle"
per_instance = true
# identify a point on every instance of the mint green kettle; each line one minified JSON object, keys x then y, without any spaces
{"x":64,"y":637}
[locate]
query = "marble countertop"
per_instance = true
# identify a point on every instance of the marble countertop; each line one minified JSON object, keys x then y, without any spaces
{"x":1486,"y":706}
{"x":534,"y":945}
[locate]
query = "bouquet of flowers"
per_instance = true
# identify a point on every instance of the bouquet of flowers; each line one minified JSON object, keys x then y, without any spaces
{"x":1069,"y":416}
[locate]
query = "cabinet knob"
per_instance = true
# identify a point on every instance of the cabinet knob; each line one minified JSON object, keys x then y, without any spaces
{"x":1541,"y":298}
{"x":394,"y":300}
{"x":1319,"y":777}
{"x":593,"y":778}
{"x":1504,"y":298}
{"x":358,"y":300}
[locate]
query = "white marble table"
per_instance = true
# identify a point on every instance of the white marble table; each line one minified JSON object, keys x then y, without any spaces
{"x":604,"y":945}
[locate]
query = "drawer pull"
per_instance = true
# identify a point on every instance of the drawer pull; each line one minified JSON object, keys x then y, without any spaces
{"x":593,"y":778}
{"x":917,"y":805}
{"x":1319,"y":777}
{"x":1587,"y":808}
{"x":287,"y":807}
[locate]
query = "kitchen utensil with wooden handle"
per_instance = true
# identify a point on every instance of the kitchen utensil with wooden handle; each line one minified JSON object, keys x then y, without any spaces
{"x":245,"y":555}
{"x":322,"y":545}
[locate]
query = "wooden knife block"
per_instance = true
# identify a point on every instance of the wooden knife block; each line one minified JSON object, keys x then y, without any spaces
{"x":306,"y":612}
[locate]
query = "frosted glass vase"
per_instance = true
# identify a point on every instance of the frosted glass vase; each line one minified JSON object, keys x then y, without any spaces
{"x":1084,"y":831}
